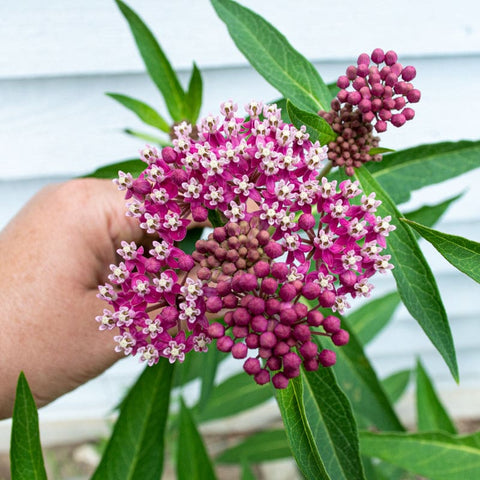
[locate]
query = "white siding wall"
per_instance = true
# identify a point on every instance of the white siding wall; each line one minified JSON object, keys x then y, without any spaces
{"x":58,"y":58}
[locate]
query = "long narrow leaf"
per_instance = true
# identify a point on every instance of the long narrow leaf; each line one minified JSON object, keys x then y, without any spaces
{"x":144,"y":112}
{"x":257,"y":448}
{"x":316,"y":126}
{"x":134,"y":166}
{"x":333,"y":426}
{"x":416,"y":285}
{"x":436,"y":456}
{"x":269,"y":52}
{"x":193,"y":462}
{"x":193,"y":97}
{"x":156,"y":62}
{"x":208,"y":377}
{"x":462,"y":253}
{"x":402,"y":172}
{"x":359,"y":381}
{"x":135,"y":449}
{"x":372,"y":317}
{"x":147,"y":137}
{"x":299,"y":434}
{"x":26,"y":459}
{"x":234,"y":395}
{"x":396,"y":384}
{"x":431,"y":414}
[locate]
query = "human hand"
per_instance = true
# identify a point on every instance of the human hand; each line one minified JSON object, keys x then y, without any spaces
{"x":54,"y":254}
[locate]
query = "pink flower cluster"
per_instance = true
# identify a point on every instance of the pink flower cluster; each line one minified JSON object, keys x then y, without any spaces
{"x":292,"y":242}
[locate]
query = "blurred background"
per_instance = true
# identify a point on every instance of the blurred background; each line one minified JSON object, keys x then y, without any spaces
{"x":58,"y":59}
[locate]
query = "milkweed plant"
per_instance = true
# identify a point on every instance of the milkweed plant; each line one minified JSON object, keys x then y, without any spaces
{"x":262,"y":222}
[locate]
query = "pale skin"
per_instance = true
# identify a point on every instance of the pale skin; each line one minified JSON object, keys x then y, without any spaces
{"x":53,"y":255}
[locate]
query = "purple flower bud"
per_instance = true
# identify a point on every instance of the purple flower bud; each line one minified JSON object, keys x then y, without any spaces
{"x":216,"y":330}
{"x":391,"y":79}
{"x":259,"y":323}
{"x":152,"y":265}
{"x":399,"y":103}
{"x":186,"y":263}
{"x":274,"y":363}
{"x":340,"y":338}
{"x":314,"y":318}
{"x":263,"y":237}
{"x":310,"y":364}
{"x":348,"y":278}
{"x":311,"y":290}
{"x":204,"y":273}
{"x":301,"y":310}
{"x":397,"y":69}
{"x":409,"y":73}
{"x":225,"y":344}
{"x":214,"y":304}
{"x":413,"y":96}
{"x":229,"y":268}
{"x":280,"y":381}
{"x":252,"y":366}
{"x":365,"y":105}
{"x":280,"y":271}
{"x":219,"y":234}
{"x":256,"y":306}
{"x":343,"y":82}
{"x":239,"y":350}
{"x":251,"y":340}
{"x":273,"y":250}
{"x":269,"y":285}
{"x":261,"y":269}
{"x":327,"y":298}
{"x":268,"y":340}
{"x":302,"y":333}
{"x":230,"y":301}
{"x":199,"y":214}
{"x":362,"y":71}
{"x":262,"y":377}
{"x":233,"y":229}
{"x":363,"y":59}
{"x":288,"y":316}
{"x":408,"y":113}
{"x":327,"y":358}
{"x":358,"y":83}
{"x":241,"y":317}
{"x":306,"y":221}
{"x":245,"y":282}
{"x":287,"y":292}
{"x":239,"y":332}
{"x":179,"y":176}
{"x":368,"y":117}
{"x":331,"y":324}
{"x":351,"y":72}
{"x":170,"y":314}
{"x":141,"y":186}
{"x":377,"y":89}
{"x":354,"y":97}
{"x":389,"y":103}
{"x":378,"y":56}
{"x":380,"y":126}
{"x":398,"y":120}
{"x":309,"y":350}
{"x":169,"y":155}
{"x":391,"y":57}
{"x":342,"y":96}
{"x":291,"y":361}
{"x":281,"y":348}
{"x":282,"y":331}
{"x":272,"y":306}
{"x":292,"y":372}
{"x":223,"y":288}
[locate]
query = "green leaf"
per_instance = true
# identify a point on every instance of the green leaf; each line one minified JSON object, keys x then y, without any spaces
{"x":208,"y":377}
{"x":156,"y":62}
{"x":416,"y":285}
{"x":133,"y":166}
{"x":135,"y":449}
{"x":146,"y":113}
{"x":317,"y":127}
{"x":428,"y":215}
{"x":333,"y":89}
{"x":358,"y":380}
{"x":215,"y":218}
{"x":462,"y":253}
{"x":193,"y":462}
{"x":147,"y":137}
{"x":431,"y":414}
{"x":299,"y":434}
{"x":26,"y":459}
{"x":369,"y":319}
{"x":269,"y":52}
{"x":247,"y":473}
{"x":193,"y":97}
{"x":401,"y":172}
{"x":376,"y":150}
{"x":187,"y":245}
{"x":234,"y":395}
{"x":395,"y":385}
{"x":257,"y":448}
{"x":333,"y":426}
{"x":437,"y":456}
